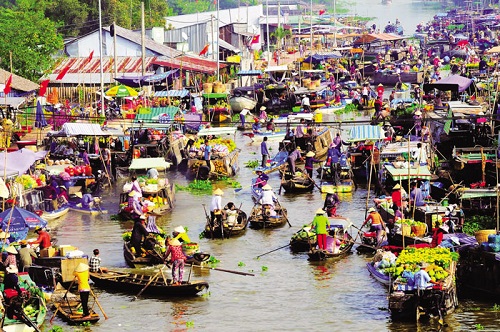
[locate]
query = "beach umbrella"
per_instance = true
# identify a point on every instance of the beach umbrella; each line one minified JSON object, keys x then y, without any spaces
{"x":40,"y":121}
{"x":121,"y":91}
{"x":18,"y":221}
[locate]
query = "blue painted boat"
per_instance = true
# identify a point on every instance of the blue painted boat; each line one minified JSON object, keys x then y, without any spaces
{"x":73,"y":206}
{"x":256,"y":191}
{"x":56,"y":213}
{"x":279,"y":159}
{"x":379,"y":276}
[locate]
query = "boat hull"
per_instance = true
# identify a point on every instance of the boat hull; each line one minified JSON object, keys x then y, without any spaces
{"x":227,"y":231}
{"x":55,"y":214}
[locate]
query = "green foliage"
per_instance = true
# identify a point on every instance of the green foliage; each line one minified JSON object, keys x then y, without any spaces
{"x":477,"y":223}
{"x":31,"y":37}
{"x":196,"y":187}
{"x":252,"y":163}
{"x":212,"y":261}
{"x":189,"y":324}
{"x":479,"y":327}
{"x":241,"y":264}
{"x":56,"y":328}
{"x":264,"y":268}
{"x":496,"y":307}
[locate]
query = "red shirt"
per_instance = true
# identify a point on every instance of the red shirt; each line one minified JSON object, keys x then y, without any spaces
{"x":176,"y":252}
{"x":43,"y":239}
{"x":396,"y":197}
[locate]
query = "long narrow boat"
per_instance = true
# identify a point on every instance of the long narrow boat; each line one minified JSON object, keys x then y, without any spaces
{"x":56,"y":213}
{"x":261,"y":218}
{"x":71,"y":312}
{"x":381,"y":277}
{"x":305,"y":239}
{"x":344,"y":249}
{"x":279,"y":159}
{"x":227,"y":230}
{"x":296,"y":184}
{"x":93,"y":211}
{"x":135,"y":282}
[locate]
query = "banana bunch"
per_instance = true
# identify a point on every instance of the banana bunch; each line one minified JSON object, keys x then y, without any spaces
{"x":219,"y":166}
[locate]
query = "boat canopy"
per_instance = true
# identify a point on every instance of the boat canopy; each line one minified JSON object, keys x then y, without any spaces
{"x":419,"y":172}
{"x":172,"y":93}
{"x":18,"y":162}
{"x":366,"y":132}
{"x":156,"y":117}
{"x":217,"y":131}
{"x":452,"y":82}
{"x":147,"y":163}
{"x":80,"y":129}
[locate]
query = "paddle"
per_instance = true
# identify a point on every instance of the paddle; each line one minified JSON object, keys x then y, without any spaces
{"x":98,"y":304}
{"x":246,"y":187}
{"x":209,"y":221}
{"x":147,"y":285}
{"x":273,"y":251}
{"x":312,"y":181}
{"x":283,"y":210}
{"x":223,"y":270}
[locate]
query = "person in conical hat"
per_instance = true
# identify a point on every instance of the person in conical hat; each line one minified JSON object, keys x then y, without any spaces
{"x":179,"y":233}
{"x":216,"y":207}
{"x":82,"y":277}
{"x":11,"y":256}
{"x":320,"y":225}
{"x":376,"y":224}
{"x":11,"y":280}
{"x":397,"y":196}
{"x":268,"y":198}
{"x":332,"y":201}
{"x":309,"y":165}
{"x":177,"y":258}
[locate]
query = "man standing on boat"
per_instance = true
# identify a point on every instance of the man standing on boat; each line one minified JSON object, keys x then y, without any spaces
{"x":264,"y":151}
{"x":216,"y":206}
{"x":306,"y":103}
{"x":267,"y":198}
{"x":321,"y":224}
{"x":43,"y":239}
{"x":243,"y":114}
{"x":292,"y":158}
{"x":207,"y":153}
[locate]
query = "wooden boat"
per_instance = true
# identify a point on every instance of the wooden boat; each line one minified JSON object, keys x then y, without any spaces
{"x":279,"y":159}
{"x":151,"y":257}
{"x":71,"y":312}
{"x":29,"y":311}
{"x":345,"y":186}
{"x":345,"y":248}
{"x":134,"y":283}
{"x":93,"y":211}
{"x":262,"y":219}
{"x":405,"y":303}
{"x":296,"y":184}
{"x":271,"y":135}
{"x":304,"y":239}
{"x":226,"y":230}
{"x":381,"y":277}
{"x":56,"y":213}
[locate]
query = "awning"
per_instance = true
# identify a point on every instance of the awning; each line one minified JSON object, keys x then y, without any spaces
{"x":172,"y":93}
{"x":146,"y":163}
{"x":414,"y":172}
{"x":20,"y":161}
{"x":156,"y":117}
{"x":227,"y":46}
{"x":478,"y":193}
{"x":276,"y":68}
{"x":249,"y":72}
{"x":452,"y":82}
{"x":217,"y":131}
{"x":81,"y":129}
{"x":185,"y":65}
{"x":366,"y":132}
{"x":317,"y":58}
{"x":138,"y":81}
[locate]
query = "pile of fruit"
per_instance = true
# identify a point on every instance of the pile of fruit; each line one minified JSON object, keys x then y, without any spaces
{"x":29,"y":181}
{"x":410,"y":259}
{"x":227,"y":142}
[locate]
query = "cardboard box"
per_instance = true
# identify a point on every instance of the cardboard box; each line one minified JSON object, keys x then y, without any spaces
{"x":64,"y":249}
{"x":48,"y":252}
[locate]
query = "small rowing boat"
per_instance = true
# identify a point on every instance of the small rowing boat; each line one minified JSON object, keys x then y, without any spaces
{"x":338,"y":245}
{"x":263,"y":217}
{"x":71,"y":312}
{"x":56,"y":213}
{"x":158,"y":285}
{"x":305,"y":238}
{"x":93,"y":211}
{"x":231,"y":226}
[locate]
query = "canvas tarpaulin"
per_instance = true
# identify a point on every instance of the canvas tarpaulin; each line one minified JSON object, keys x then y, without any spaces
{"x":18,"y":162}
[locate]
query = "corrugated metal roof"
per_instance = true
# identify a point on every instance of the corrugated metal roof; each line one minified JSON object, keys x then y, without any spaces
{"x":172,"y":93}
{"x":149,"y":43}
{"x":366,"y":132}
{"x":252,"y":72}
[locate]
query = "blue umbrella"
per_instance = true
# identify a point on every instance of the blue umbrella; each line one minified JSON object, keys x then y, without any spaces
{"x":40,"y":121}
{"x":21,"y":221}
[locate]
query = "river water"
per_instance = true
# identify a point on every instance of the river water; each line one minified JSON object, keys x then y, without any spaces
{"x":287,"y":293}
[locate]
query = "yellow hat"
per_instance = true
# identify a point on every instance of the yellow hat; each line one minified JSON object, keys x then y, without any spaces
{"x":329,"y":190}
{"x":267,"y":187}
{"x":82,"y":267}
{"x":396,"y":187}
{"x":218,"y":192}
{"x":11,"y":250}
{"x":310,"y":154}
{"x":78,"y":194}
{"x":320,"y":211}
{"x":263,"y":108}
{"x":132,"y":193}
{"x":174,"y":242}
{"x":372,"y":210}
{"x":179,"y":229}
{"x":12,"y":269}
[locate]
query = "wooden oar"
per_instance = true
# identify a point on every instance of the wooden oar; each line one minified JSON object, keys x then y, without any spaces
{"x":98,"y":304}
{"x":312,"y":181}
{"x":147,"y":285}
{"x":273,"y":250}
{"x":283,"y":211}
{"x":223,"y":270}
{"x":246,"y":187}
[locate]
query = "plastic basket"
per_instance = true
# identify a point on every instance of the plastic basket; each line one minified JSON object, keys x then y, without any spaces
{"x":482,"y":236}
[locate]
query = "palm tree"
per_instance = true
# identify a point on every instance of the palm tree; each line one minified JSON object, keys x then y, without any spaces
{"x":279,"y":34}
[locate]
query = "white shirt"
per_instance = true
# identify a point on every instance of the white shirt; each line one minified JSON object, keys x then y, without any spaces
{"x":420,"y":156}
{"x":267,"y":197}
{"x":305,"y":101}
{"x":216,"y":203}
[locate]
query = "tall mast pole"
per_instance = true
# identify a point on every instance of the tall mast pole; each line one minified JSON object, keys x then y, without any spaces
{"x":101,"y":73}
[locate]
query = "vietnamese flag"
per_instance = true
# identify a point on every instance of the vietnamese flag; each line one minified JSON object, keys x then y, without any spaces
{"x":204,"y":50}
{"x":322,"y":11}
{"x":255,"y":39}
{"x":43,"y":87}
{"x":8,"y":85}
{"x":90,"y":56}
{"x":62,"y":73}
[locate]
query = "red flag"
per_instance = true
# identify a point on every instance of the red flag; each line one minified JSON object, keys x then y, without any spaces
{"x":62,"y":73}
{"x":8,"y":84}
{"x":204,"y":50}
{"x":322,"y":11}
{"x":43,"y":87}
{"x":90,"y":56}
{"x":255,"y":39}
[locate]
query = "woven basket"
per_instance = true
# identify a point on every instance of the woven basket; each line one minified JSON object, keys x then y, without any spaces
{"x":482,"y":236}
{"x":405,"y":230}
{"x":419,"y":230}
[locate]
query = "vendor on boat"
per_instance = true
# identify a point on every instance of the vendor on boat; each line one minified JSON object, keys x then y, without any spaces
{"x":437,"y":235}
{"x":321,"y":224}
{"x":333,"y":158}
{"x":139,"y":234}
{"x":243,"y":114}
{"x":376,"y":225}
{"x":262,"y":177}
{"x":153,"y":173}
{"x":422,"y":278}
{"x":332,"y":200}
{"x":231,"y":213}
{"x":134,"y":205}
{"x":216,"y":206}
{"x":292,"y":158}
{"x":43,"y":239}
{"x":397,"y":196}
{"x":416,"y":196}
{"x":310,"y":160}
{"x":268,"y":198}
{"x":82,"y":276}
{"x":179,"y":233}
{"x":11,"y":280}
{"x":87,"y":201}
{"x":135,"y":186}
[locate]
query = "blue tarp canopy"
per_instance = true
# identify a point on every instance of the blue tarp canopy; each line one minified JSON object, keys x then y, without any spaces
{"x":138,"y":81}
{"x":252,"y":72}
{"x":172,"y":93}
{"x":366,"y":132}
{"x":317,"y":58}
{"x":18,"y":222}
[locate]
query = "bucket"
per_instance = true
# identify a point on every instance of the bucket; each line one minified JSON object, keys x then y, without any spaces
{"x":318,"y":117}
{"x":482,"y":236}
{"x":405,"y":230}
{"x":444,"y":202}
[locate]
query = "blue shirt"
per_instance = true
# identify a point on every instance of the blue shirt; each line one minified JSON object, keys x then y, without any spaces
{"x":422,"y":279}
{"x":86,"y":200}
{"x":208,"y":150}
{"x":417,"y":197}
{"x":263,"y":148}
{"x":294,"y":155}
{"x":334,"y":154}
